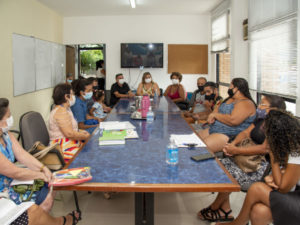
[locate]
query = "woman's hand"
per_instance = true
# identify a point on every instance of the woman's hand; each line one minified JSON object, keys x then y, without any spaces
{"x":47,"y":174}
{"x":230,"y":149}
{"x":270,"y":181}
{"x":211,"y":118}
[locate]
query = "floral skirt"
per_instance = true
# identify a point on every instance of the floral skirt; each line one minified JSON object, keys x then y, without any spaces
{"x":68,"y":146}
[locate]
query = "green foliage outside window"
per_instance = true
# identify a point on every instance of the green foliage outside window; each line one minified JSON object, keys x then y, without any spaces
{"x":88,"y":59}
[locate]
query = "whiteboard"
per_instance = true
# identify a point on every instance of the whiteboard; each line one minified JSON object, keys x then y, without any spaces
{"x":58,"y":64}
{"x":23,"y":64}
{"x":37,"y":64}
{"x":43,"y":53}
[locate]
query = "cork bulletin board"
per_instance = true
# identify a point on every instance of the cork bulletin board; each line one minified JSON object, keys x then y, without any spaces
{"x":188,"y":59}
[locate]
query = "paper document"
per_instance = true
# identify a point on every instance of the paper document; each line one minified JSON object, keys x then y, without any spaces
{"x":116,"y":125}
{"x":17,"y":182}
{"x":182,"y":140}
{"x":9,"y":211}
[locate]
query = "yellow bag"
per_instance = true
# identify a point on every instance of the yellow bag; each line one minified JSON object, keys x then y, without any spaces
{"x":51,"y":156}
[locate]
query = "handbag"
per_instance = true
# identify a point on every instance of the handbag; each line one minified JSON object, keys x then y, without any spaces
{"x":21,"y":189}
{"x":248,"y":163}
{"x":51,"y":156}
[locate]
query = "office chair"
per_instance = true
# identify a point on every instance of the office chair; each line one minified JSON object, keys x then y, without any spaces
{"x":32,"y":129}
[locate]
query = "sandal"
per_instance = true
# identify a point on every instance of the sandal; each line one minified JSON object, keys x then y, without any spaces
{"x":215,"y":215}
{"x":203,"y":211}
{"x":75,"y":219}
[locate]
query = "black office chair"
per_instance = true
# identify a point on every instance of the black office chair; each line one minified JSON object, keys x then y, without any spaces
{"x":33,"y":129}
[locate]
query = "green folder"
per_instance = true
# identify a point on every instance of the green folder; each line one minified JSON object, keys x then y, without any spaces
{"x":113,"y":137}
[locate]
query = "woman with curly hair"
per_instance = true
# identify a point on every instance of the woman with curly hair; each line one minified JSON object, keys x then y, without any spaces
{"x":276,"y":199}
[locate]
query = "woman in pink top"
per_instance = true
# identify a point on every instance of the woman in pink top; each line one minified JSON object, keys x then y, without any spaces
{"x":176,"y":91}
{"x":63,"y":127}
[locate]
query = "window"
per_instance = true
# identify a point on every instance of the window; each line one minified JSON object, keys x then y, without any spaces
{"x":273,"y":48}
{"x":223,"y":73}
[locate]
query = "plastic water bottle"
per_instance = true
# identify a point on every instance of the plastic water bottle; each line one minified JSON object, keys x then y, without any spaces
{"x":172,"y":153}
{"x":150,"y":115}
{"x":145,"y":105}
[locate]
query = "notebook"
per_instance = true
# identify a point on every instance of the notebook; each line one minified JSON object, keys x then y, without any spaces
{"x":71,"y":176}
{"x":9,"y":211}
{"x":113,"y":137}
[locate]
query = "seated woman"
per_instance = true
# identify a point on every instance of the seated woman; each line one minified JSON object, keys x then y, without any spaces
{"x":35,"y":215}
{"x":234,"y":115}
{"x":220,"y":209}
{"x":63,"y":127}
{"x":84,"y":92}
{"x":148,"y":86}
{"x":176,"y":91}
{"x":276,"y":201}
{"x":11,"y":150}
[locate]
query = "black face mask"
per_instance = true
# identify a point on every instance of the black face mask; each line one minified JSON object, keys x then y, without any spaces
{"x":95,"y":87}
{"x":230,"y":92}
{"x":201,"y":88}
{"x":210,"y":97}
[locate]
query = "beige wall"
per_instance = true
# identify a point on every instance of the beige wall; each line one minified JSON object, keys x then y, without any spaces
{"x":27,"y":17}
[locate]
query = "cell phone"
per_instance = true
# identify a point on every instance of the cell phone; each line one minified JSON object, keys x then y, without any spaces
{"x":201,"y":157}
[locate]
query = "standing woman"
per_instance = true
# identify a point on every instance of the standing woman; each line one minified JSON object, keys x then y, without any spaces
{"x":148,"y":86}
{"x":276,"y":201}
{"x":176,"y":91}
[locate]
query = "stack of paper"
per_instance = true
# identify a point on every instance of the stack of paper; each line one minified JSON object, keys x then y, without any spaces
{"x":184,"y":140}
{"x":117,"y":126}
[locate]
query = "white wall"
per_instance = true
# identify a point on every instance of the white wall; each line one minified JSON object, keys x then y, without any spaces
{"x":113,"y":30}
{"x":239,"y":47}
{"x":30,"y":18}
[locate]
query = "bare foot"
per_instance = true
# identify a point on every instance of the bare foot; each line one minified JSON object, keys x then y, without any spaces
{"x":48,"y":202}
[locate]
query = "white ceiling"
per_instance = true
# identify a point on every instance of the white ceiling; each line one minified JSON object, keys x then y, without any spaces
{"x":68,"y":8}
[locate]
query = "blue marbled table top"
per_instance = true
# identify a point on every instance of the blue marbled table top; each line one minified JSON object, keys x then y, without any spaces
{"x":142,"y":160}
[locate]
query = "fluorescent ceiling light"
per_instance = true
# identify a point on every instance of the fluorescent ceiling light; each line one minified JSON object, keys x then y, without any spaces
{"x":132,"y":3}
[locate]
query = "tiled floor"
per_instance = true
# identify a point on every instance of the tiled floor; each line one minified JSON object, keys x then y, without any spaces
{"x":170,"y":208}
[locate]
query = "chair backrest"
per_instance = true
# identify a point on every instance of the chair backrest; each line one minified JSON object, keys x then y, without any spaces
{"x":32,"y":129}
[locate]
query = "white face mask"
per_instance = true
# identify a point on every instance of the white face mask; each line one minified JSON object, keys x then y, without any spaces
{"x":148,"y":80}
{"x":122,"y":81}
{"x":10,"y":123}
{"x":175,"y":81}
{"x":72,"y":101}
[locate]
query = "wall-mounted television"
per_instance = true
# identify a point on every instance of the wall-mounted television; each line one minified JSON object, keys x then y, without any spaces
{"x":148,"y":55}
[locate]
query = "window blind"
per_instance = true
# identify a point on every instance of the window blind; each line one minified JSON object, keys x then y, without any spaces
{"x":273,"y":58}
{"x":220,"y":27}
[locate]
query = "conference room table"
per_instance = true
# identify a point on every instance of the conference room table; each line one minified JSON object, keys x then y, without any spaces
{"x":140,"y":166}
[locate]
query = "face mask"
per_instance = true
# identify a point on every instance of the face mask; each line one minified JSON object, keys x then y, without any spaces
{"x":95,"y":87}
{"x":69,"y":81}
{"x":230,"y":92}
{"x":210,"y":97}
{"x":148,"y":80}
{"x":261,"y":113}
{"x":72,"y":102}
{"x":10,"y":123}
{"x":175,"y":81}
{"x":121,"y":81}
{"x":88,"y":95}
{"x":201,"y":88}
